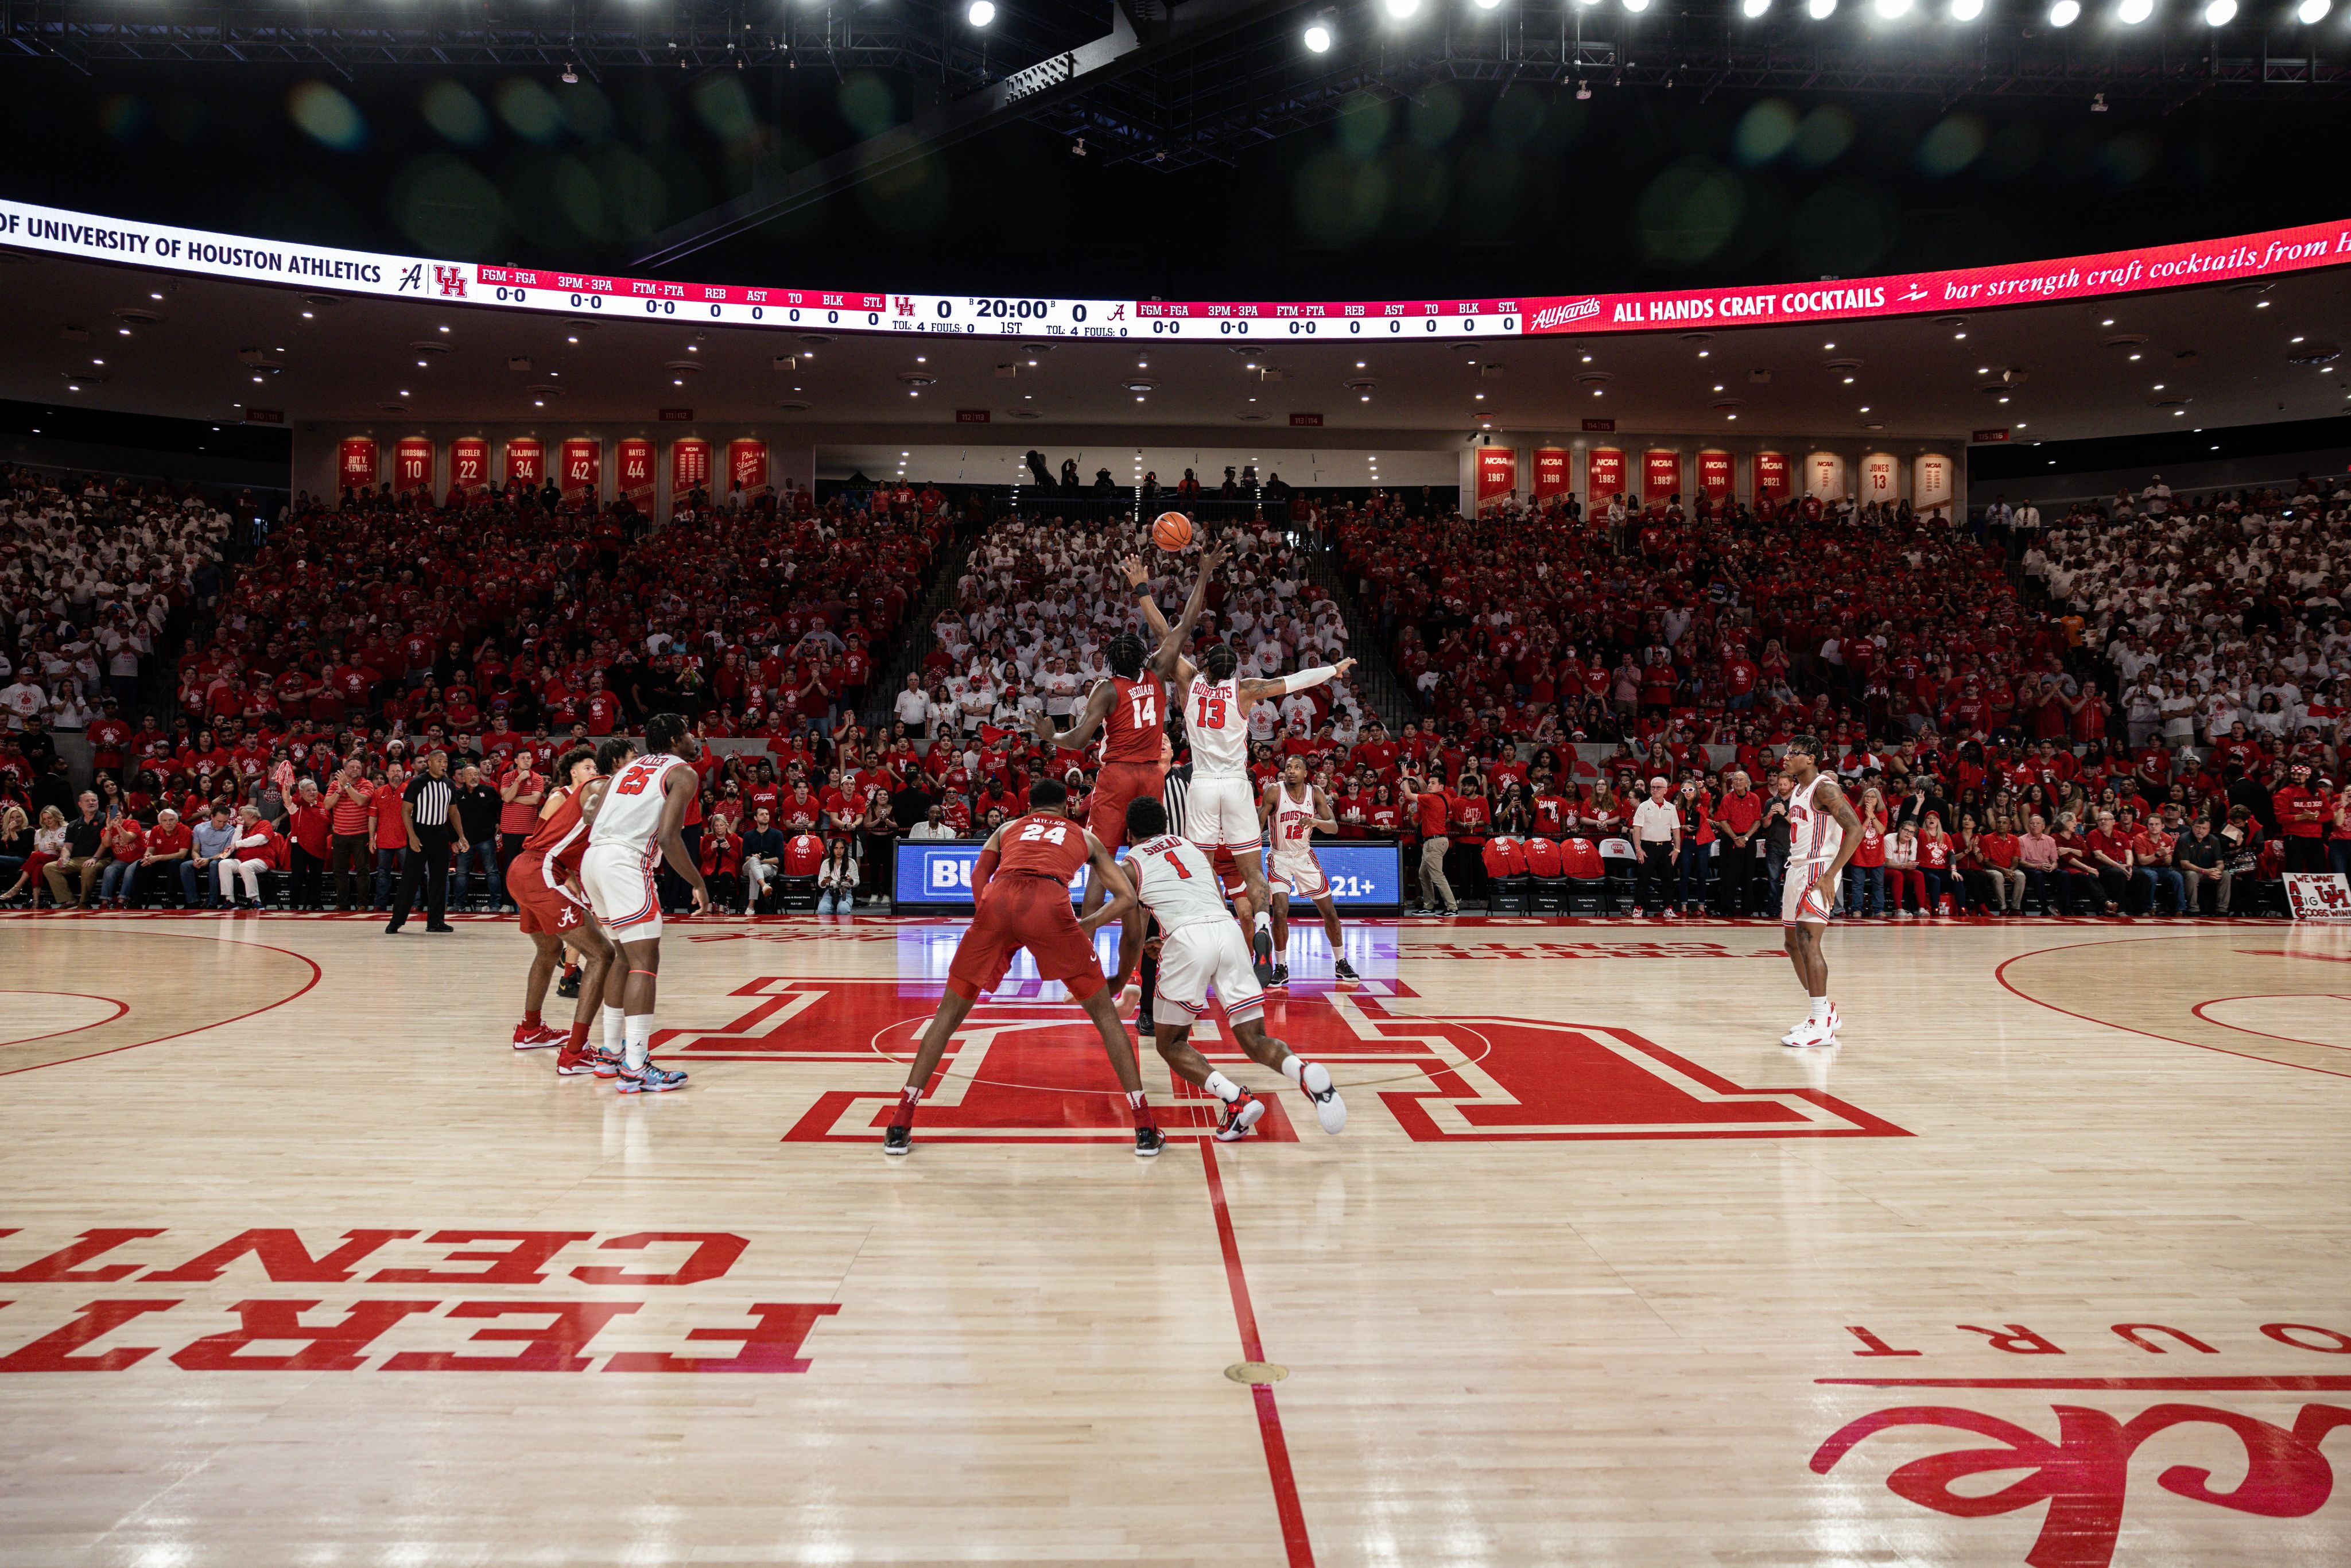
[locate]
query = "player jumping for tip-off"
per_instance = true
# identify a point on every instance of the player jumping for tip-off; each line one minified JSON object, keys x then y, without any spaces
{"x":1293,"y":810}
{"x":1823,"y":833}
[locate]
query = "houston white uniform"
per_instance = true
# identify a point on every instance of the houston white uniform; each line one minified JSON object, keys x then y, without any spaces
{"x":1294,"y":862}
{"x":1201,"y":945}
{"x":1814,"y":838}
{"x":622,"y":858}
{"x":1220,"y":812}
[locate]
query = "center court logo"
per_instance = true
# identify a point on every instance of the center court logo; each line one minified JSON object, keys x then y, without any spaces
{"x":1555,"y":316}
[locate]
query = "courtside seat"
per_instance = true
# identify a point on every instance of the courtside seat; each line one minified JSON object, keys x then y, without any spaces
{"x":1617,"y":861}
{"x":1508,"y":884}
{"x":795,"y":886}
{"x":1547,"y":884}
{"x":1587,"y":878}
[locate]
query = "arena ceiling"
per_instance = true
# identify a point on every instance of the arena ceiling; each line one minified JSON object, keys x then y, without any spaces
{"x":124,"y":338}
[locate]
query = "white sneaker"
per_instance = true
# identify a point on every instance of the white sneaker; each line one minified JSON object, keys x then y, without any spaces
{"x":1329,"y":1109}
{"x":1814,"y":1032}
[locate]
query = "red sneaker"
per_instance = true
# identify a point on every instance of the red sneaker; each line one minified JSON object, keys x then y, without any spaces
{"x":532,"y":1036}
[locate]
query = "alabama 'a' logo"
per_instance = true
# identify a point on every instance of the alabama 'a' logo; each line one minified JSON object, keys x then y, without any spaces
{"x":1028,"y":1068}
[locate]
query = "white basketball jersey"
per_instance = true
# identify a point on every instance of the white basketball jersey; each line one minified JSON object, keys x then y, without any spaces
{"x":1293,"y":824}
{"x":632,"y":811}
{"x":1814,"y":836}
{"x":1217,"y":729}
{"x":1176,"y":882}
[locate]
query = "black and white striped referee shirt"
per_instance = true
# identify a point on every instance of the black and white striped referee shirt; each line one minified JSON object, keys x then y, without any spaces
{"x":1172,"y":792}
{"x":429,"y":798}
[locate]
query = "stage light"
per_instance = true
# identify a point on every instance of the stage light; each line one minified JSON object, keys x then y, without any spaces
{"x":1488,"y":4}
{"x":1317,"y":39}
{"x":2066,"y":13}
{"x":2309,"y":13}
{"x":1966,"y":10}
{"x":981,"y":13}
{"x":1892,"y":10}
{"x":1820,"y":10}
{"x":1636,"y":6}
{"x":2219,"y":13}
{"x":1752,"y":8}
{"x":1404,"y":10}
{"x":2131,"y":12}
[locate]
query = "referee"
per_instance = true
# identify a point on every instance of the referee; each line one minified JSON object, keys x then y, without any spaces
{"x":425,"y":808}
{"x":1175,"y":786}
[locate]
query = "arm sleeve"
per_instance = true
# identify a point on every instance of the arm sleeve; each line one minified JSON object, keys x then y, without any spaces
{"x":1303,"y":680}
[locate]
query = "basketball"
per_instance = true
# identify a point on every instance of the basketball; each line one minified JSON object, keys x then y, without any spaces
{"x":1171,"y":531}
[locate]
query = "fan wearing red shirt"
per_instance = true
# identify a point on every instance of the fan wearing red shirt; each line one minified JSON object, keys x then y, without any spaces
{"x":2303,"y":812}
{"x":1021,"y":898}
{"x":1431,"y":809}
{"x":310,"y":829}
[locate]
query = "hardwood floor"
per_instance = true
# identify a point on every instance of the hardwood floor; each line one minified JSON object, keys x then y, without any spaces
{"x":304,"y":1264}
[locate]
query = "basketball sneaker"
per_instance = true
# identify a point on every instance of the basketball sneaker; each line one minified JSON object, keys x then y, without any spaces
{"x":607,"y":1063}
{"x":1813,"y":1033}
{"x":570,"y":1066}
{"x":1344,"y":970}
{"x":1148,"y":1141}
{"x":1281,"y":977}
{"x":650,"y":1080}
{"x":531,"y":1037}
{"x":1261,"y":958}
{"x":1806,"y":1023}
{"x":1240,"y":1115}
{"x":1329,"y":1109}
{"x":569,"y":985}
{"x":897,"y":1139}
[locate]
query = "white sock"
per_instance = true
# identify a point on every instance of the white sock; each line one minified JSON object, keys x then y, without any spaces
{"x":1293,"y":1066}
{"x":1264,"y":921}
{"x":1819,"y":1009}
{"x":640,"y":1040}
{"x":615,"y":1021}
{"x":1222,"y":1087}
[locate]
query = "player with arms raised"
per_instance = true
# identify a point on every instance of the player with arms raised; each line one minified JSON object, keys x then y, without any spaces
{"x":1129,"y":710}
{"x":1220,"y":809}
{"x":1021,"y":898}
{"x":634,"y":825}
{"x":1294,"y":811}
{"x":1823,"y":835}
{"x":1200,"y":948}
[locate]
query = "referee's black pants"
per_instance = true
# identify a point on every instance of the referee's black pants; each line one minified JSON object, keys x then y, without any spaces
{"x":429,"y":867}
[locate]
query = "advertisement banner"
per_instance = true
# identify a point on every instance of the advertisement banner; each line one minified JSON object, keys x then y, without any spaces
{"x":355,"y":463}
{"x":1773,"y":482}
{"x":747,"y":468}
{"x":1881,"y":475}
{"x":1604,"y":471}
{"x":1661,"y":474}
{"x":633,"y":460}
{"x":689,"y":467}
{"x":1931,"y":478}
{"x":526,"y":461}
{"x":1550,"y":473}
{"x":469,"y":465}
{"x":412,"y":464}
{"x":1715,"y":479}
{"x":1498,"y":475}
{"x":933,"y":873}
{"x":583,"y":471}
{"x":1824,"y":476}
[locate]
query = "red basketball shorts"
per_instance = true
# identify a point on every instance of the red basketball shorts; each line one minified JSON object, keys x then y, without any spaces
{"x":545,"y":908}
{"x":1116,"y":786}
{"x":1021,"y":911}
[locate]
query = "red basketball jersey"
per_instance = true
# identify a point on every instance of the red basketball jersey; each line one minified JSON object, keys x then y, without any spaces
{"x":1137,"y":720}
{"x":1043,"y":844}
{"x":560,"y":836}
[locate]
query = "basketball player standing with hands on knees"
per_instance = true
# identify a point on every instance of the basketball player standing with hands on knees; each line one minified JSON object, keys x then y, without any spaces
{"x":1823,"y":835}
{"x":634,"y":825}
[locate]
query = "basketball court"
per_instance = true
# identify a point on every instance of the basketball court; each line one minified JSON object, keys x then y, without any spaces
{"x":2042,"y":1264}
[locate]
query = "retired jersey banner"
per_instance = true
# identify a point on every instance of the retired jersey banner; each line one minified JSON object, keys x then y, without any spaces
{"x":1715,"y":479}
{"x":526,"y":460}
{"x":1824,"y":476}
{"x":412,"y":464}
{"x":689,"y":467}
{"x":633,"y":460}
{"x":355,"y":463}
{"x":1773,"y":480}
{"x":1550,"y":473}
{"x":583,"y":471}
{"x":1604,"y":471}
{"x":469,"y":465}
{"x":1930,"y":482}
{"x":1881,"y":478}
{"x":1661,"y":475}
{"x":747,"y":468}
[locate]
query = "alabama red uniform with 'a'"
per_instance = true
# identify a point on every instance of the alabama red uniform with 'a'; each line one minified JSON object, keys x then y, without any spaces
{"x":552,"y":853}
{"x":1130,"y":756}
{"x":1027,"y":905}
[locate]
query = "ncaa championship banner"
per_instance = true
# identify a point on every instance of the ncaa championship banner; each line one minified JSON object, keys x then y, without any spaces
{"x":936,"y":872}
{"x":56,"y":232}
